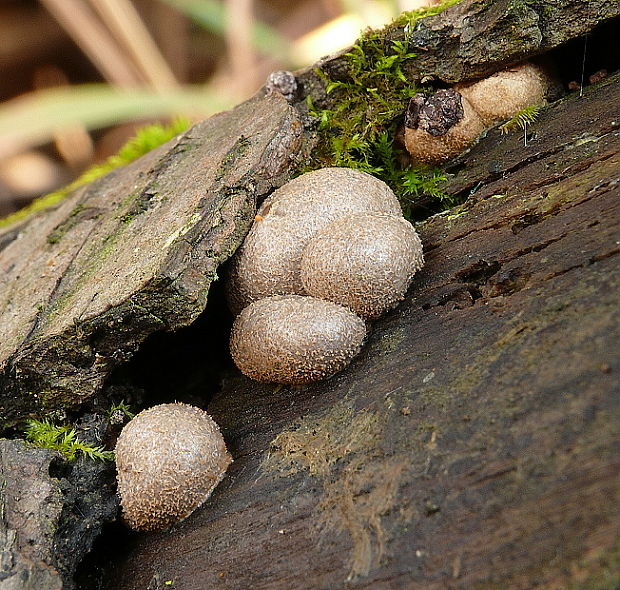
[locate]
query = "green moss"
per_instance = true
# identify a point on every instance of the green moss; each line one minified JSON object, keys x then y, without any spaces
{"x":521,"y":119}
{"x":36,"y":205}
{"x":64,"y":439}
{"x":57,"y":306}
{"x":411,"y":17}
{"x":145,"y":140}
{"x":238,"y":150}
{"x":107,"y":247}
{"x":391,"y":341}
{"x":358,"y":130}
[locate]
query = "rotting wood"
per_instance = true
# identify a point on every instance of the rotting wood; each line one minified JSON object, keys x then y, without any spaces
{"x":473,"y":443}
{"x":30,"y":501}
{"x":135,"y":252}
{"x":81,"y":286}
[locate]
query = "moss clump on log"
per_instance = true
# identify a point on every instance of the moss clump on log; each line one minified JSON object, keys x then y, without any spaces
{"x":366,"y":100}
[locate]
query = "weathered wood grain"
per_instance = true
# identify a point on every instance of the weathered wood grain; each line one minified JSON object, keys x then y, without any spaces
{"x":30,"y":502}
{"x":132,"y":253}
{"x":474,"y":443}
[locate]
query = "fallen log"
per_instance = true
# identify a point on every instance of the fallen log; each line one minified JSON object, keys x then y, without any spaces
{"x":131,"y":254}
{"x":473,"y":442}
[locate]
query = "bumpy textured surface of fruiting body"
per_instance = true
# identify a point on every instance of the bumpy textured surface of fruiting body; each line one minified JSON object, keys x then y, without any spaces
{"x":365,"y":262}
{"x":283,"y":82}
{"x":293,"y":339}
{"x":441,"y":127}
{"x":501,"y":95}
{"x":169,"y":459}
{"x":268,"y":262}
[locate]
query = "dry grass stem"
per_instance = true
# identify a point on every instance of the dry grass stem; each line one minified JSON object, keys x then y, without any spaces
{"x":125,"y":23}
{"x":94,"y":40}
{"x":241,"y":55}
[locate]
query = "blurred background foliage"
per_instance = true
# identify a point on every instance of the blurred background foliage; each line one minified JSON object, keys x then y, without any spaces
{"x":80,"y":76}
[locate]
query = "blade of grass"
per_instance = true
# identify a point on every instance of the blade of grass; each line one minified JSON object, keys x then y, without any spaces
{"x":33,"y":119}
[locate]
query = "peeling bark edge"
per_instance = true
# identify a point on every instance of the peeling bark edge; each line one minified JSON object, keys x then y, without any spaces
{"x":473,"y":39}
{"x":62,"y":370}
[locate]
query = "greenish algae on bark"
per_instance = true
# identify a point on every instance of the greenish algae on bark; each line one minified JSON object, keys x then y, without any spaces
{"x":132,"y":253}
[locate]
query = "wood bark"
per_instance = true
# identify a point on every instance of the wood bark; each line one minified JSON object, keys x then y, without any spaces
{"x":51,"y":511}
{"x":474,"y":441}
{"x":30,"y":500}
{"x":130,"y":254}
{"x":135,"y":252}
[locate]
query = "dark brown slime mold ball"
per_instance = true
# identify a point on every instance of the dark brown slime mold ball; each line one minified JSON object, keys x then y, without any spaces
{"x":293,"y":339}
